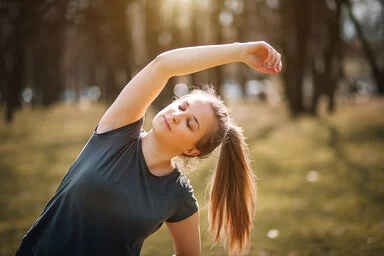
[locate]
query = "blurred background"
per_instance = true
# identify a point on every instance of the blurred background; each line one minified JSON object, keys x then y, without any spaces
{"x":315,"y":131}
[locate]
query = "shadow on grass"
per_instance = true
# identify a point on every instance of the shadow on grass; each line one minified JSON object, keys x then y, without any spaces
{"x":360,"y":174}
{"x":10,"y":183}
{"x":341,"y":214}
{"x":266,"y":131}
{"x":371,"y":133}
{"x":29,"y":176}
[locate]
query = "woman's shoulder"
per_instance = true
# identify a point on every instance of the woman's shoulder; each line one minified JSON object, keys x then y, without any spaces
{"x":187,"y":203}
{"x":131,"y":130}
{"x":184,"y":184}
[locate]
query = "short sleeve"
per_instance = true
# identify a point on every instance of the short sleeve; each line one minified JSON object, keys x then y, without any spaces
{"x":127,"y":132}
{"x":187,"y":206}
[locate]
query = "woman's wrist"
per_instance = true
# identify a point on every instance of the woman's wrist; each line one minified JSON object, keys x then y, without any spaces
{"x":240,"y":51}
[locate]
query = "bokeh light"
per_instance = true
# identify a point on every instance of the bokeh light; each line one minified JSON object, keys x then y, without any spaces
{"x":273,"y":233}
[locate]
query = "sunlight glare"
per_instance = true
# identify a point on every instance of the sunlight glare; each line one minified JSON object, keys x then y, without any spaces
{"x":236,"y":6}
{"x":313,"y":176}
{"x":180,"y":89}
{"x":165,"y":38}
{"x":94,"y":93}
{"x":331,"y":4}
{"x":273,"y":233}
{"x":273,"y":4}
{"x":27,"y":95}
{"x":226,"y":18}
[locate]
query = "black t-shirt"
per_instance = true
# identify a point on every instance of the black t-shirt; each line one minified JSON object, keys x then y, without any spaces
{"x":109,"y":202}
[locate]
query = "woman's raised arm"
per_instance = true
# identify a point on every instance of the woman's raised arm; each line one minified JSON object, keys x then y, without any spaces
{"x":139,"y":93}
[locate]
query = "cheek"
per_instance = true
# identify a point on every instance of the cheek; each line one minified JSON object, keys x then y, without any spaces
{"x":158,"y":126}
{"x":184,"y":137}
{"x":155,"y":123}
{"x":191,"y":139}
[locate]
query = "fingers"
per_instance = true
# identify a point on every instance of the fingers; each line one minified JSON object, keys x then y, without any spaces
{"x":263,"y":58}
{"x":273,"y":59}
{"x":277,"y":61}
{"x":268,"y":70}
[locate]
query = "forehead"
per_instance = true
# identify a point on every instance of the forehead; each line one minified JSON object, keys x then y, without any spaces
{"x":201,"y":108}
{"x":197,"y":104}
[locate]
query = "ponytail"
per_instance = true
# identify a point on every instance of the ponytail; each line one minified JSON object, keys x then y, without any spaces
{"x":232,"y":205}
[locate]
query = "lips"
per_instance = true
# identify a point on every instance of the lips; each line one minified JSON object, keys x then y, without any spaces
{"x":166,"y":123}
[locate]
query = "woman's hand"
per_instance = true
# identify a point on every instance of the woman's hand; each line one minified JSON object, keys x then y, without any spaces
{"x":262,"y":57}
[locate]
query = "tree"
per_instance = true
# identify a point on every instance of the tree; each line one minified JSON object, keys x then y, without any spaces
{"x":377,"y":72}
{"x":54,"y":46}
{"x":107,"y":25}
{"x":295,"y":47}
{"x":325,"y":57}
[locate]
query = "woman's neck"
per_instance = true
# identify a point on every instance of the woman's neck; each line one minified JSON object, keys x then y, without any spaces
{"x":157,"y":158}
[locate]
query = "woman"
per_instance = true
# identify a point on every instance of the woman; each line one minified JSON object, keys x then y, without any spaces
{"x":124,"y":184}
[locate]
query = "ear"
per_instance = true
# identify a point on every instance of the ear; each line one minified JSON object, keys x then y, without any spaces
{"x":192,"y":152}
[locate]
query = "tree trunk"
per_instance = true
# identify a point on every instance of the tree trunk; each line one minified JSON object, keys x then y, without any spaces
{"x":295,"y":51}
{"x":242,"y":32}
{"x":47,"y":59}
{"x":218,"y":71}
{"x":325,"y":83}
{"x":107,"y":26}
{"x":194,"y":35}
{"x":15,"y":81}
{"x":2,"y":77}
{"x":377,"y":74}
{"x":14,"y":74}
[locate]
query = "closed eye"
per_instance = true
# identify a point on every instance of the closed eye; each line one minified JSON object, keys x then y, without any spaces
{"x":189,"y":125}
{"x":181,"y":107}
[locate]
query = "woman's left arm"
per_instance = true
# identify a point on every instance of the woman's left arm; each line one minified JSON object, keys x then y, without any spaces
{"x":186,"y":236}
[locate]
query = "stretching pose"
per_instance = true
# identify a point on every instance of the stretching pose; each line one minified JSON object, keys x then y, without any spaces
{"x":124,"y":185}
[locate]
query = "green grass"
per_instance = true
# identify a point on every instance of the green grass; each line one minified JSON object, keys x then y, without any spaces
{"x":342,"y":213}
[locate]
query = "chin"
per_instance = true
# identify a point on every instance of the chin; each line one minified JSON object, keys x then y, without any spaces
{"x":157,"y":125}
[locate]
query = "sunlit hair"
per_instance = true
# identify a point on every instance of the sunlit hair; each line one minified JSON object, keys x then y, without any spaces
{"x":232,"y":203}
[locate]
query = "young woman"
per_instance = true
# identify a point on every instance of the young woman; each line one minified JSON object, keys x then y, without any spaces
{"x":124,"y":185}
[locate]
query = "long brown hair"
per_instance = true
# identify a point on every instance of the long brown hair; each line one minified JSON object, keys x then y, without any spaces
{"x":233,"y":195}
{"x":232,"y":204}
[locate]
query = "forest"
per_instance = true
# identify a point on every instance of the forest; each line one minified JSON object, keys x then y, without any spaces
{"x":54,"y":50}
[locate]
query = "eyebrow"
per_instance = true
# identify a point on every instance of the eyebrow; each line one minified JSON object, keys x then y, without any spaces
{"x":194,"y":117}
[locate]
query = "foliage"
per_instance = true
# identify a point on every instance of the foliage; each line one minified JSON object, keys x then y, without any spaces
{"x":52,"y":47}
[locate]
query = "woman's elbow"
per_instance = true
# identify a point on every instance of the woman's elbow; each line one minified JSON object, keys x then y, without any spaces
{"x":160,"y":64}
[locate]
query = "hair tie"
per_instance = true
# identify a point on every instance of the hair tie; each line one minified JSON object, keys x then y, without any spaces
{"x":226,"y":135}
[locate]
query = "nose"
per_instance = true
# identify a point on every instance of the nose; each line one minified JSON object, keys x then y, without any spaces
{"x":176,"y":117}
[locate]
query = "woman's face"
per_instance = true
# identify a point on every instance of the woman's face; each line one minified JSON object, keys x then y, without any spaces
{"x":183,"y":123}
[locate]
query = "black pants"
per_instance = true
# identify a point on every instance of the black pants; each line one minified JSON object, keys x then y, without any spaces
{"x":24,"y":250}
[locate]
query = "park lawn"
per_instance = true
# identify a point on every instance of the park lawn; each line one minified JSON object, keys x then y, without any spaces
{"x":320,"y":181}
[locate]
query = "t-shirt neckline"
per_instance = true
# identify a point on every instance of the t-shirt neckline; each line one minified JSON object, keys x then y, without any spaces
{"x":141,"y":154}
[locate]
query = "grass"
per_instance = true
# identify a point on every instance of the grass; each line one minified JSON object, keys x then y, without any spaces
{"x":320,"y":181}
